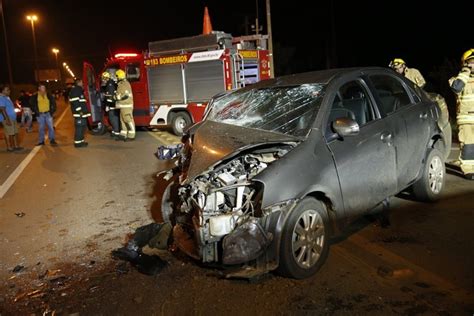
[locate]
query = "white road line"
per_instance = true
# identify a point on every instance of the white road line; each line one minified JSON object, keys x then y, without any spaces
{"x":17,"y":172}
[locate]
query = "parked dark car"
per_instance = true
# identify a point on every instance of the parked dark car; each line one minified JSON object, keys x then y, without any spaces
{"x":277,"y":169}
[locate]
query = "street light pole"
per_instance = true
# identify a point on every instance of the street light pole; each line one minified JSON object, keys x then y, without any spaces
{"x":9,"y":65}
{"x":33,"y":19}
{"x":270,"y":39}
{"x":55,"y":52}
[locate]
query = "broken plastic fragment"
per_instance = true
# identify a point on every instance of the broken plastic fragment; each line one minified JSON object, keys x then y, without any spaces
{"x":20,"y":214}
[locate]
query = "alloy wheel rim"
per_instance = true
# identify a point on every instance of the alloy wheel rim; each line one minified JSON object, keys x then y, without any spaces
{"x":98,"y":127}
{"x":308,"y":239}
{"x":436,"y":175}
{"x":180,"y":124}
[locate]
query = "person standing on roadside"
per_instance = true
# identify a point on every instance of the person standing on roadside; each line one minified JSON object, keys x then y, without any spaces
{"x":27,"y":114}
{"x":79,"y":113}
{"x":44,"y":105}
{"x":8,"y":119}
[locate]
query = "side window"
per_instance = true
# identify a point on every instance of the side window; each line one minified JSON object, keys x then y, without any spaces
{"x":133,"y":72}
{"x":352,"y":101}
{"x":391,"y":92}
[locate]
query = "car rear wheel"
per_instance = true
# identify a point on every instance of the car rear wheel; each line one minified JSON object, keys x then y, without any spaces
{"x":305,"y":240}
{"x":179,"y":122}
{"x":429,"y":187}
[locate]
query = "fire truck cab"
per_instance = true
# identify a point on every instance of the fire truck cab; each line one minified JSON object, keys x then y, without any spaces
{"x":173,"y":81}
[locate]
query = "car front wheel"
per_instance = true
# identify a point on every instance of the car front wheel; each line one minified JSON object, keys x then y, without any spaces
{"x":305,"y":240}
{"x":428,"y":188}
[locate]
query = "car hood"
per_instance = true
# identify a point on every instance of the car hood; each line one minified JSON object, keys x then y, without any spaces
{"x":214,"y":142}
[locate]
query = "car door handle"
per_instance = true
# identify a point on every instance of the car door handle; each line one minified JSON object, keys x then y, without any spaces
{"x":424,"y":116}
{"x":386,"y":137}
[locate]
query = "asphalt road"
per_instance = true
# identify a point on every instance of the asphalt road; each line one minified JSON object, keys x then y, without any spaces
{"x":79,"y":204}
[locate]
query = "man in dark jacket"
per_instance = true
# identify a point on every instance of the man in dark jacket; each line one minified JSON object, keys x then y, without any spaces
{"x":79,"y":112}
{"x":108,"y":88}
{"x":44,"y":105}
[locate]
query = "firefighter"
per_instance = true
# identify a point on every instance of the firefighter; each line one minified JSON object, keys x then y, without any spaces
{"x":124,"y":101}
{"x":463,"y":87}
{"x":79,"y":112}
{"x":109,"y":88}
{"x":412,"y":74}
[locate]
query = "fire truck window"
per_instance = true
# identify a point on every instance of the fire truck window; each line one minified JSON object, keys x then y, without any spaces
{"x":133,"y":72}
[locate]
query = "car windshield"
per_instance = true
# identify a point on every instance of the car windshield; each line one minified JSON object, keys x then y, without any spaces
{"x":288,"y":110}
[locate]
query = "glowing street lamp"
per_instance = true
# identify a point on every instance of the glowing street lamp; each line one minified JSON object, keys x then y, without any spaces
{"x":55,"y":52}
{"x":33,"y":18}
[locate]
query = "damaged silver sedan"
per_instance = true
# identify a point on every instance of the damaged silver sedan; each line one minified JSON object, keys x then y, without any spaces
{"x":277,"y":169}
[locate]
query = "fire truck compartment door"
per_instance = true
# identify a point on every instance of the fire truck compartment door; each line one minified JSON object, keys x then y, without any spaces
{"x":166,"y":84}
{"x":91,"y":92}
{"x":204,"y":80}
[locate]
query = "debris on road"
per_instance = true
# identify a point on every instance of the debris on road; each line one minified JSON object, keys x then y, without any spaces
{"x":168,"y":152}
{"x":154,"y":235}
{"x":20,"y":214}
{"x":18,"y":268}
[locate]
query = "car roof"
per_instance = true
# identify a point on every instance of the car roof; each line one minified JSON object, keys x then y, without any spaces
{"x":320,"y":76}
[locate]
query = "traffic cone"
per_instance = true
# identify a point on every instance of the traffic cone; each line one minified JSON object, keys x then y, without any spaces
{"x":206,"y":25}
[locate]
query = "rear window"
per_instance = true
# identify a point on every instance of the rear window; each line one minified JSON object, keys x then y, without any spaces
{"x":391,"y":92}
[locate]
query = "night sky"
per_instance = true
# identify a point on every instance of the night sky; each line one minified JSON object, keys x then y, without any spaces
{"x":428,"y":36}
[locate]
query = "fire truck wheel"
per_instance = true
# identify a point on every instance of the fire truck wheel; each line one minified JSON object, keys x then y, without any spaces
{"x":179,"y":122}
{"x":97,"y":129}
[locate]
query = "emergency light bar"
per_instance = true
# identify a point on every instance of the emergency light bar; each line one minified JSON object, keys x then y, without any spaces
{"x":121,"y":55}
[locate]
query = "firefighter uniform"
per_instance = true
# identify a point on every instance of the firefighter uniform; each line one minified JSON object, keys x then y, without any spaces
{"x":124,"y":101}
{"x":463,"y":86}
{"x":412,"y":74}
{"x":79,"y":113}
{"x":110,"y":107}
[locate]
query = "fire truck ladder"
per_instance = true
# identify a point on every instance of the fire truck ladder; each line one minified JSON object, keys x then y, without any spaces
{"x":239,"y":73}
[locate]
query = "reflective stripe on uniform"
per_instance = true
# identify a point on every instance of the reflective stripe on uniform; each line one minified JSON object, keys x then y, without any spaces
{"x":466,"y":162}
{"x":467,"y":97}
{"x":73,"y":99}
{"x":126,"y":105}
{"x":76,"y":115}
{"x":86,"y":115}
{"x":82,"y":100}
{"x":78,"y":141}
{"x":78,"y":108}
{"x":465,"y":119}
{"x":109,"y":100}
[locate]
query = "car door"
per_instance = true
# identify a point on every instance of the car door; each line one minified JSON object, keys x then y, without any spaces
{"x":136,"y":75}
{"x":365,"y":163}
{"x":92,"y":94}
{"x":410,"y":118}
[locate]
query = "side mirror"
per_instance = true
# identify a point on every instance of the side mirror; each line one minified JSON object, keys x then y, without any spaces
{"x":345,"y":127}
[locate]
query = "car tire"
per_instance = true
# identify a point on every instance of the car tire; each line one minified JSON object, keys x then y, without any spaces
{"x":179,"y":122}
{"x":305,"y":240}
{"x":98,"y":128}
{"x":428,"y":188}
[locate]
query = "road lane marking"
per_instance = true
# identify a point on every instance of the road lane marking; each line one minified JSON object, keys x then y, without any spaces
{"x":164,"y":139}
{"x":17,"y":172}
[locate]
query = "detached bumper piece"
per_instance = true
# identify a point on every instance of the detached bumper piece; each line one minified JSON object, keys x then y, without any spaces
{"x":247,"y":242}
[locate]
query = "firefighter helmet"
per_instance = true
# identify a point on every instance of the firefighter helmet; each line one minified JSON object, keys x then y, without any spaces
{"x":396,"y":62}
{"x":468,"y":55}
{"x":120,"y":74}
{"x":105,"y":75}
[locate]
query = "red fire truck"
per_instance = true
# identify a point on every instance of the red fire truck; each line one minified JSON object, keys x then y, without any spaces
{"x":173,"y":81}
